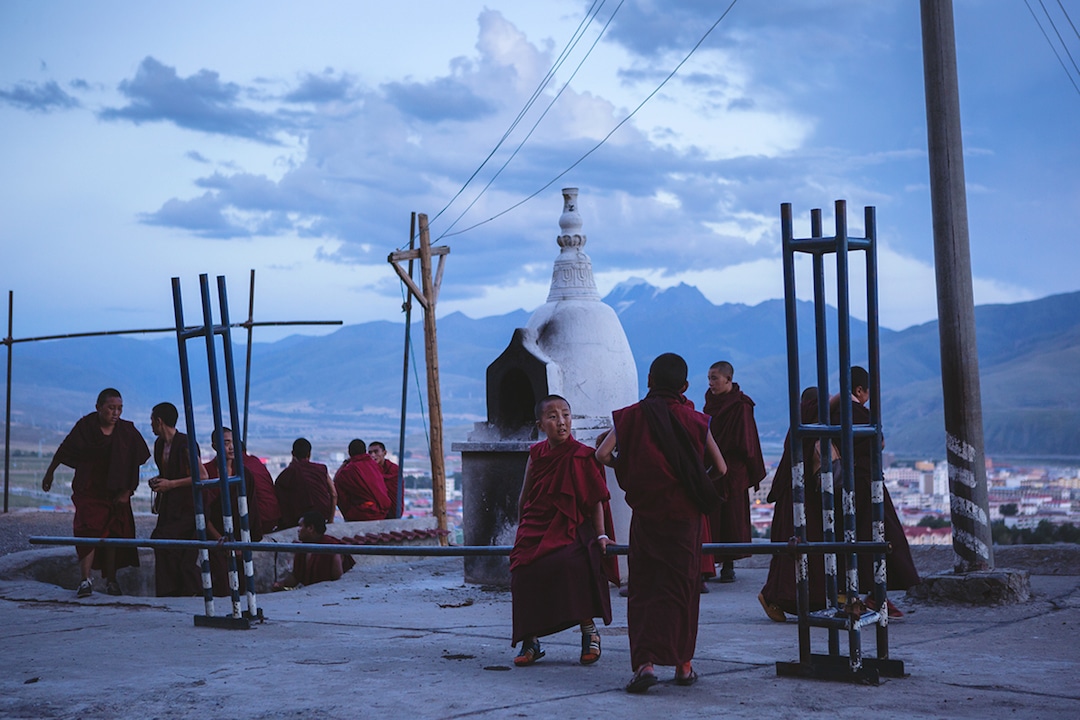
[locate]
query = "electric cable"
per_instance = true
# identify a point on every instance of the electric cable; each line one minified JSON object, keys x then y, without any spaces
{"x":586,"y":21}
{"x":535,"y":124}
{"x":606,"y":137}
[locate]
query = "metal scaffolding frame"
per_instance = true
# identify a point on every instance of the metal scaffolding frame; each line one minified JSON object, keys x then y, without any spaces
{"x":10,"y":341}
{"x":208,"y":332}
{"x":836,"y":619}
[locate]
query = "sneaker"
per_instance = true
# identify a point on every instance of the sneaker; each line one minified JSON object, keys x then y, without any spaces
{"x":86,"y":589}
{"x":727,"y":575}
{"x":113,"y":588}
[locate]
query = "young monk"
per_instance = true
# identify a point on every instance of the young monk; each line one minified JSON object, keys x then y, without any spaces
{"x":660,"y":448}
{"x":557,"y":577}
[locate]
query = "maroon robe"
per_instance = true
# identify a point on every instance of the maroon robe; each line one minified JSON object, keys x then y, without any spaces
{"x":311,"y":568}
{"x":262,"y":498}
{"x":665,"y":530}
{"x":105,"y":466}
{"x":899,"y":565}
{"x":557,"y":570}
{"x":361,"y":490}
{"x":176,"y":571}
{"x":301,"y":487}
{"x":736,"y":434}
{"x":219,"y":559}
{"x":780,"y":588}
{"x":390,"y":476}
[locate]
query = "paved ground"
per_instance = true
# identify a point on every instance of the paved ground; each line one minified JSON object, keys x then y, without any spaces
{"x":410,"y":640}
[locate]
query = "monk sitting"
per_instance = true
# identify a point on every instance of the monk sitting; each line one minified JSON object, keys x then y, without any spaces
{"x":557,"y":577}
{"x":262,"y":497}
{"x":311,"y":568}
{"x":361,"y":490}
{"x":304,"y":486}
{"x":389,"y":472}
{"x":658,"y":448}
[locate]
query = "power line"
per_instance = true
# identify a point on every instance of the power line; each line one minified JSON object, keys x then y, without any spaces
{"x":1051,"y":44}
{"x":586,"y":21}
{"x":535,"y":124}
{"x":1066,"y":14}
{"x":606,"y":137}
{"x":1060,"y":39}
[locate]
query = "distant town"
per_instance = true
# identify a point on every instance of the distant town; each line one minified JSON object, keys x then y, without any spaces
{"x":1021,"y":496}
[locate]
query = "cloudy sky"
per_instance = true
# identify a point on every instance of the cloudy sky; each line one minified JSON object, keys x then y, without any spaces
{"x":143,"y":141}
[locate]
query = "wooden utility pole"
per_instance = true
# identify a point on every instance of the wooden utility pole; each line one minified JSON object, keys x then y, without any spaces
{"x":427,"y":297}
{"x":968,"y":493}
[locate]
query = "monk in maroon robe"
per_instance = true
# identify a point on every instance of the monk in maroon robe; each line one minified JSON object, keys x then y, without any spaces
{"x":557,"y":573}
{"x":389,"y":472}
{"x":780,"y":594}
{"x":106,"y":453}
{"x":311,"y":568}
{"x":659,"y":448}
{"x":361,"y":490}
{"x":736,"y":434}
{"x":304,"y":486}
{"x":176,"y":570}
{"x":900,"y":566}
{"x":262,"y":497}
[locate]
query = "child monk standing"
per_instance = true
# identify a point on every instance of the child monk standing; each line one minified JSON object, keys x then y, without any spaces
{"x":557,"y":577}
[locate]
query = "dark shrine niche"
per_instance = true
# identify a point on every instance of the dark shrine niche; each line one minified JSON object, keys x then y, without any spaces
{"x":515,"y":381}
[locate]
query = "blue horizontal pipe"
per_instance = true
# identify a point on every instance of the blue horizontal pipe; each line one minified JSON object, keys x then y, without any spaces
{"x":810,"y":548}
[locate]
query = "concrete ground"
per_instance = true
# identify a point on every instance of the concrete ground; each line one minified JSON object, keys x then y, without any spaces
{"x":411,"y":640}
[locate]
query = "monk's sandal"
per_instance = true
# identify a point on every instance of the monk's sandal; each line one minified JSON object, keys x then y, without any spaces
{"x":530,"y":652}
{"x":590,"y":646}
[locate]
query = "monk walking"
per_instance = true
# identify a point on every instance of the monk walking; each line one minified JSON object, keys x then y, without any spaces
{"x":736,"y":434}
{"x":106,"y":453}
{"x":557,"y":570}
{"x":659,"y":448}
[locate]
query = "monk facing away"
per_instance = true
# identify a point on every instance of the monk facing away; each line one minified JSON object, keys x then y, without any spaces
{"x":106,"y":453}
{"x":304,"y":486}
{"x":659,"y":448}
{"x":557,"y":573}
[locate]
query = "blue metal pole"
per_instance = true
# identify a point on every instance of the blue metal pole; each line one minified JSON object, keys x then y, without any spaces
{"x":240,"y":478}
{"x":215,"y":399}
{"x":182,"y":335}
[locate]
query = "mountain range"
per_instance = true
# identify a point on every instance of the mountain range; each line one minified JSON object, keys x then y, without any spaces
{"x":348,"y":383}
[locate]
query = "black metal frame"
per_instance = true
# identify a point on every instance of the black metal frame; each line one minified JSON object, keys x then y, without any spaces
{"x":834,"y":666}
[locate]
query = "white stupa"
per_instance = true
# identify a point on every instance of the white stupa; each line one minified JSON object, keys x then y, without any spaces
{"x":574,"y":346}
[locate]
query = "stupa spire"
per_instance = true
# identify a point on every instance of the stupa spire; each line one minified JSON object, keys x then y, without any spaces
{"x":572,"y":277}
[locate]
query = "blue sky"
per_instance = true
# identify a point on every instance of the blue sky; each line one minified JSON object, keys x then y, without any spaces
{"x":143,"y":141}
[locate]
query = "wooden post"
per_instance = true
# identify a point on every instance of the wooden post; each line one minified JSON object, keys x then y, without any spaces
{"x":968,"y":492}
{"x":427,"y":297}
